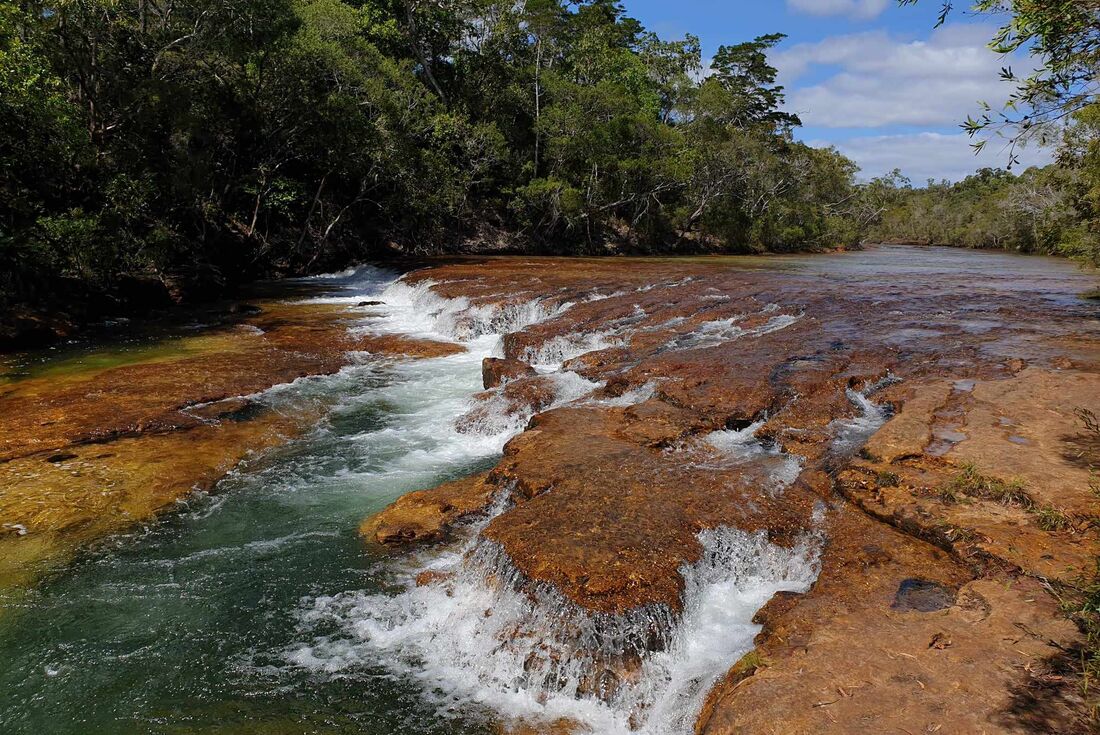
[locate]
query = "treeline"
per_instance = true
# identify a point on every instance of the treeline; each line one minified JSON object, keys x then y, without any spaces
{"x":202,"y":142}
{"x":1052,"y":210}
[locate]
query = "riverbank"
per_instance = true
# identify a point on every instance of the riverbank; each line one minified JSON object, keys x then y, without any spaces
{"x":714,"y":495}
{"x":97,"y":440}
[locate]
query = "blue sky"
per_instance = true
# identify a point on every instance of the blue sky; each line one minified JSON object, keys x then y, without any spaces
{"x":872,"y":78}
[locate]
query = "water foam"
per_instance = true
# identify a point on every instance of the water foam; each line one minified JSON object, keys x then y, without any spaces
{"x":555,"y":352}
{"x":742,"y":446}
{"x":485,"y":637}
{"x":632,"y":397}
{"x":720,"y":331}
{"x":497,"y":415}
{"x":852,"y":433}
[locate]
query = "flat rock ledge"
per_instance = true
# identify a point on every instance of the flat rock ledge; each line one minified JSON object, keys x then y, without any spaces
{"x":428,"y":515}
{"x":945,"y":533}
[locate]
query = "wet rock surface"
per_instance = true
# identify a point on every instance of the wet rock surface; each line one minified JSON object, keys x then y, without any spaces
{"x":905,"y":430}
{"x":721,"y":396}
{"x":391,"y":345}
{"x":94,"y":445}
{"x":428,"y":515}
{"x":496,"y":371}
{"x":920,"y":595}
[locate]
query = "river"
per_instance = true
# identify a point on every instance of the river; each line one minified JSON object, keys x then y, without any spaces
{"x":257,"y":608}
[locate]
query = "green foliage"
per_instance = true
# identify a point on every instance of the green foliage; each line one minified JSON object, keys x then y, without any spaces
{"x":1080,"y":602}
{"x":969,"y":482}
{"x":1055,"y":209}
{"x":1051,"y":210}
{"x":204,"y":142}
{"x":1063,"y":39}
{"x":1052,"y":519}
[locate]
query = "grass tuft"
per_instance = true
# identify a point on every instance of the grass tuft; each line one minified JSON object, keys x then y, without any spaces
{"x":957,"y":534}
{"x":1090,"y":420}
{"x":748,"y":665}
{"x":1051,"y":519}
{"x":887,"y":479}
{"x":971,"y":483}
{"x":1081,"y":604}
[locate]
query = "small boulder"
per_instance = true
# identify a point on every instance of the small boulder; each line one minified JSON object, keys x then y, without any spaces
{"x":427,"y":515}
{"x":497,"y":371}
{"x":922,"y":595}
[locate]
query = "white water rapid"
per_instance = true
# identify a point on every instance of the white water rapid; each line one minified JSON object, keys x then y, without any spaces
{"x":487,"y":640}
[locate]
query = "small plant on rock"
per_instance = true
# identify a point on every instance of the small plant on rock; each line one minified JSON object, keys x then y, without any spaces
{"x":969,"y":482}
{"x":1090,"y":420}
{"x":1051,"y":519}
{"x":957,"y":534}
{"x":1081,"y":603}
{"x":887,"y":479}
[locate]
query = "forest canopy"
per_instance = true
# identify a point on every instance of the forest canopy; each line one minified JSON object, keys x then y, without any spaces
{"x":1053,"y":210}
{"x":201,"y":142}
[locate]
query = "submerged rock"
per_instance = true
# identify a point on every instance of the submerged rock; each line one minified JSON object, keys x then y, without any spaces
{"x":920,"y":595}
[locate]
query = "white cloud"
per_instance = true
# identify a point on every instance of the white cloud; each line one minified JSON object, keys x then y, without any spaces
{"x":859,"y":9}
{"x":923,"y":156}
{"x":875,"y":79}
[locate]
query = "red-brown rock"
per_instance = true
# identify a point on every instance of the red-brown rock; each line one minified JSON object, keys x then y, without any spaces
{"x":496,"y":371}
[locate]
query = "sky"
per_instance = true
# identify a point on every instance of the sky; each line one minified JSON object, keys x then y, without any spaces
{"x":874,"y":79}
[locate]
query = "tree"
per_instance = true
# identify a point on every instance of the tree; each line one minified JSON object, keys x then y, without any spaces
{"x":206,"y":142}
{"x":1064,"y":37}
{"x":751,"y":95}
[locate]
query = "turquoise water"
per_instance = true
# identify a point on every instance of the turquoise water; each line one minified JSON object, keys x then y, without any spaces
{"x":182,"y":626}
{"x":197,"y":623}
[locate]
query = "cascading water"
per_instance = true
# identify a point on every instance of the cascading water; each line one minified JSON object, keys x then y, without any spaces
{"x":852,"y":433}
{"x":214,"y":615}
{"x":183,"y":620}
{"x":714,"y":333}
{"x":259,"y":609}
{"x":486,"y":637}
{"x":483,"y":636}
{"x":742,"y":446}
{"x":552,"y":354}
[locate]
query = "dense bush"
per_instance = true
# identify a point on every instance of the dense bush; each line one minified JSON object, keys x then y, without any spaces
{"x":1055,"y":209}
{"x":207,"y":141}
